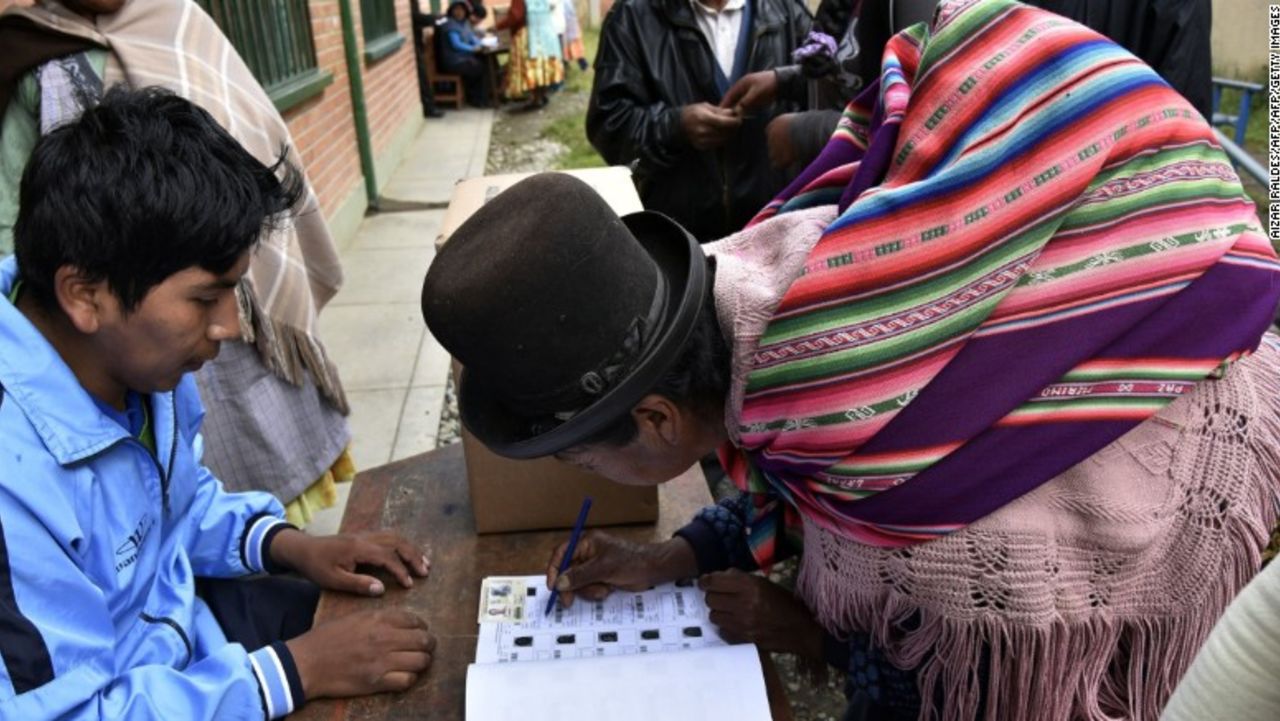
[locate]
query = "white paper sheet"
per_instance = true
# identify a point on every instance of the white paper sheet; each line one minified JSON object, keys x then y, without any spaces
{"x":666,"y":618}
{"x":716,"y":682}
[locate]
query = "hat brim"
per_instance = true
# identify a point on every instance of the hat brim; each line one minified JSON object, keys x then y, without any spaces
{"x":680,"y":259}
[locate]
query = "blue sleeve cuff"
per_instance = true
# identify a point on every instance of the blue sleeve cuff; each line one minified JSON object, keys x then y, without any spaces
{"x":278,"y":680}
{"x":256,"y":543}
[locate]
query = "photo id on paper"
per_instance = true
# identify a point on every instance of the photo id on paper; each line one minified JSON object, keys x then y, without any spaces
{"x":670,"y":617}
{"x":502,"y":600}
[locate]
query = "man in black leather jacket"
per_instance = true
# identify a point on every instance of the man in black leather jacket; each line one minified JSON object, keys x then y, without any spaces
{"x":653,"y":106}
{"x":1172,"y":36}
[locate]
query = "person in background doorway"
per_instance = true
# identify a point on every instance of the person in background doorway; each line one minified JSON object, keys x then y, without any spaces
{"x":420,"y":21}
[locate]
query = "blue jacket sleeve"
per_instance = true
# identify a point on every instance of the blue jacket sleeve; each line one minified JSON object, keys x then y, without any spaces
{"x":227,"y":534}
{"x":58,"y":644}
{"x":230,"y":534}
{"x":462,"y":44}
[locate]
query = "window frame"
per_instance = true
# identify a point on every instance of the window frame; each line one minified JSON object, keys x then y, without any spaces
{"x":378,"y":26}
{"x":276,"y":40}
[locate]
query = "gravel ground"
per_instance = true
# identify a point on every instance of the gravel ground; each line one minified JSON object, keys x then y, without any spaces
{"x":516,"y":146}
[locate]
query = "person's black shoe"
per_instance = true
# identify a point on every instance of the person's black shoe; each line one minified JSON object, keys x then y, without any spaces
{"x":432,"y":113}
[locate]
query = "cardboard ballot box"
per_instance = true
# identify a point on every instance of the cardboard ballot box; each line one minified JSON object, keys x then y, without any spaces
{"x":510,"y":495}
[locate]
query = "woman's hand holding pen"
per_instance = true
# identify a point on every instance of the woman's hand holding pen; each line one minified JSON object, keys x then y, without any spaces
{"x":602,"y":563}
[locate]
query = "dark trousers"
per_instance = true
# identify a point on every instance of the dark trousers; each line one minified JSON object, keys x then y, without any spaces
{"x":475,"y":77}
{"x":257,"y":611}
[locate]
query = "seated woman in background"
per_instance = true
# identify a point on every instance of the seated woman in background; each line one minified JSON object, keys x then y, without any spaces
{"x":460,"y":51}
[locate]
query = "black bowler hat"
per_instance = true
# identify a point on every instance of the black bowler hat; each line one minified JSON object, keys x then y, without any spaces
{"x":562,"y":314}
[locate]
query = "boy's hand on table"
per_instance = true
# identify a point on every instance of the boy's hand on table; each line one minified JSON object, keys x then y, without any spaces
{"x":602,"y":562}
{"x":752,"y":609}
{"x":363,"y":653}
{"x":331,"y":561}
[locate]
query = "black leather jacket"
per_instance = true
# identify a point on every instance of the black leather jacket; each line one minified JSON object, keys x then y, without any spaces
{"x":1172,"y":36}
{"x":652,"y":61}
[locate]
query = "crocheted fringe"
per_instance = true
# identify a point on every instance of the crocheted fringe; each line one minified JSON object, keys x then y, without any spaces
{"x":1102,"y":668}
{"x":287,"y":352}
{"x":1266,"y":446}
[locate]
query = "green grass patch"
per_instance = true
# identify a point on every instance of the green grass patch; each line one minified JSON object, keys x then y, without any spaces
{"x":570,"y":130}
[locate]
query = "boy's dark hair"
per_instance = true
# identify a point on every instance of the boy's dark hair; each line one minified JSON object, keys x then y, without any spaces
{"x":698,"y":381}
{"x":142,"y":186}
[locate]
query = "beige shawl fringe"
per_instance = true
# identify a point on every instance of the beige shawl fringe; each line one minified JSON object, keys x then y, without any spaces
{"x":287,"y":352}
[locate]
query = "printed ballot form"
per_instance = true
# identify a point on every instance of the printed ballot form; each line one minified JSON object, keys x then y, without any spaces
{"x":634,"y":655}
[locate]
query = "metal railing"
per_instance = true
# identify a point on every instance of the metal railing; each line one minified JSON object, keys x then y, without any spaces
{"x":1241,"y":159}
{"x":1239,"y":121}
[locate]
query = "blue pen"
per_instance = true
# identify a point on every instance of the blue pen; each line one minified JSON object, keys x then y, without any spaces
{"x":568,"y":552}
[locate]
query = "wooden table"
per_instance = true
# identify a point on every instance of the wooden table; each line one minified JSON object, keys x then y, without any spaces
{"x":426,"y":499}
{"x":493,"y":72}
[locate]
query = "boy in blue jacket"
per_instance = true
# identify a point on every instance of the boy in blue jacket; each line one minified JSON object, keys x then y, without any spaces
{"x":116,"y":544}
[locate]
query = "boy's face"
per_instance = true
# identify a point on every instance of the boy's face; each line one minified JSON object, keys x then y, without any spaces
{"x":177,"y":328}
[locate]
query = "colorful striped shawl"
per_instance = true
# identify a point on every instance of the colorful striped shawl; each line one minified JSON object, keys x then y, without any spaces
{"x":1039,"y":246}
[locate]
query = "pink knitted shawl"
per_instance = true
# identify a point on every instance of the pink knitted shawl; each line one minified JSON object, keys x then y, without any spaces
{"x":1090,"y":595}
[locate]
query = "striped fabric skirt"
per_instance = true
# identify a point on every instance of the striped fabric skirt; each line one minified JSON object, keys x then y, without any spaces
{"x":525,"y":74}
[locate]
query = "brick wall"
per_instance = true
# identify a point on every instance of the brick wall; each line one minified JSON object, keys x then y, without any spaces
{"x":323,"y":131}
{"x":324,"y":128}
